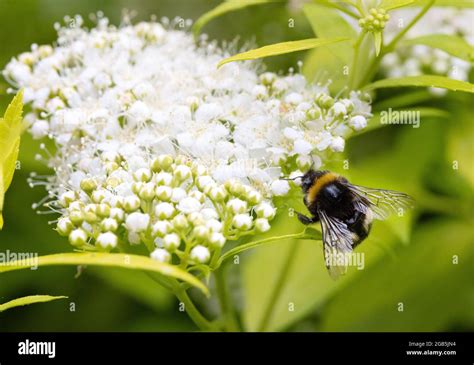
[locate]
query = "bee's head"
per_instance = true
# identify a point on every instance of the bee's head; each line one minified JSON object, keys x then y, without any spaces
{"x":308,"y":179}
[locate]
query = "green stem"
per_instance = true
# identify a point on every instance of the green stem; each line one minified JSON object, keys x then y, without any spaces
{"x":227,"y":309}
{"x":355,"y":59}
{"x":253,"y":244}
{"x":275,"y":295}
{"x":191,"y":310}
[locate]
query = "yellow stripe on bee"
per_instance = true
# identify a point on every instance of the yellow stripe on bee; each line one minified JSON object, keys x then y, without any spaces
{"x":319,"y":184}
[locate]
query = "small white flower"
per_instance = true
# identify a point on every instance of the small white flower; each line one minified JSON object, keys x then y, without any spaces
{"x":39,"y":129}
{"x":137,"y":222}
{"x":163,"y":192}
{"x":164,"y":178}
{"x":217,"y":239}
{"x":117,"y":214}
{"x":337,"y":144}
{"x":109,"y":224}
{"x":67,"y":198}
{"x":64,"y":226}
{"x":139,"y":111}
{"x":338,"y":109}
{"x":237,"y":206}
{"x":217,"y":193}
{"x":107,"y":240}
{"x":143,"y":175}
{"x":262,"y":225}
{"x":201,"y":232}
{"x":178,"y":194}
{"x":265,"y":210}
{"x":242,"y":222}
{"x":209,"y":213}
{"x":182,"y":172}
{"x":180,"y":221}
{"x":189,"y":205}
{"x":161,"y":228}
{"x":358,"y":122}
{"x":205,"y":180}
{"x":131,"y":203}
{"x":280,"y":187}
{"x":214,"y":225}
{"x":78,"y":237}
{"x":164,"y":210}
{"x":171,"y":241}
{"x":161,"y":255}
{"x":302,"y":147}
{"x":200,"y":254}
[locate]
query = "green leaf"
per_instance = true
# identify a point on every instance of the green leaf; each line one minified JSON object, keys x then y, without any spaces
{"x":377,"y":42}
{"x":306,"y":234}
{"x":331,"y":60}
{"x":31,"y":299}
{"x":435,"y":292}
{"x":423,"y":81}
{"x":109,"y":259}
{"x":223,"y":8}
{"x":394,"y":4}
{"x":281,"y":48}
{"x":454,"y":45}
{"x":10,"y":131}
{"x":136,"y":284}
{"x":450,"y":3}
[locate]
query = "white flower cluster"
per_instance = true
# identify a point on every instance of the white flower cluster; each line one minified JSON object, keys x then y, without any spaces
{"x":116,"y":99}
{"x":421,"y":59}
{"x":172,"y":206}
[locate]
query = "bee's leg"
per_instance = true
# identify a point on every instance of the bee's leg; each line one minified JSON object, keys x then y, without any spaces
{"x":305,"y":219}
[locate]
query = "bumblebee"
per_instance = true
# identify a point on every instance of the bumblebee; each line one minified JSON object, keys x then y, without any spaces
{"x":345,"y":211}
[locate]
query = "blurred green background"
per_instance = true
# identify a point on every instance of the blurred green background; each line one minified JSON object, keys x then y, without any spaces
{"x":408,"y":260}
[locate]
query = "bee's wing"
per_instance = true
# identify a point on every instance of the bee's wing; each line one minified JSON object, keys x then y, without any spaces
{"x":381,"y":202}
{"x":337,"y":241}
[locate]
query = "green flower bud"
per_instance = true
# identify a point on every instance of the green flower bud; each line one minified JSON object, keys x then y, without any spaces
{"x":131,"y":203}
{"x":201,"y":232}
{"x":163,"y":193}
{"x":88,"y":185}
{"x":67,"y":198}
{"x":76,"y":217}
{"x":142,"y":175}
{"x":78,"y":237}
{"x":64,"y":226}
{"x":171,"y":241}
{"x":147,"y":192}
{"x":162,"y":162}
{"x":103,"y":210}
{"x":97,"y":196}
{"x":180,"y":221}
{"x":109,"y":224}
{"x":90,"y":217}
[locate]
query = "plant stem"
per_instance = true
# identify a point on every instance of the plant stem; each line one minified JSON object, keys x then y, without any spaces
{"x":225,"y":301}
{"x":191,"y":309}
{"x":355,"y":59}
{"x":275,"y":295}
